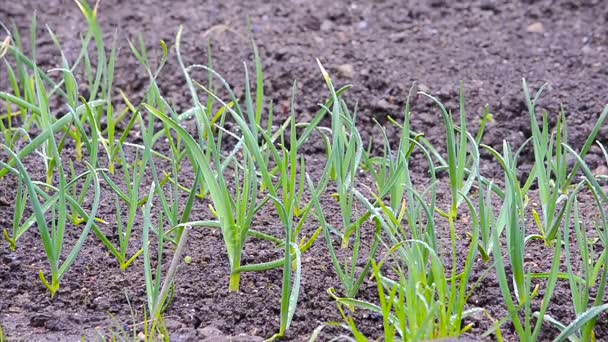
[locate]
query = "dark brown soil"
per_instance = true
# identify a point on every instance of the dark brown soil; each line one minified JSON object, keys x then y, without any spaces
{"x":381,"y":48}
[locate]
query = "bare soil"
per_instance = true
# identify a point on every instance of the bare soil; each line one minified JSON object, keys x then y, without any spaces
{"x":382,"y":48}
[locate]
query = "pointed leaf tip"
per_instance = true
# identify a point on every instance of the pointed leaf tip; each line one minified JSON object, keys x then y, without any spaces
{"x":323,"y":71}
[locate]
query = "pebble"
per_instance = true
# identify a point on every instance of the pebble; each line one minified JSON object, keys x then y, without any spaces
{"x":399,"y":37}
{"x":209,"y":331}
{"x":327,"y":25}
{"x":601,"y":170}
{"x":536,"y":27}
{"x":346,"y":70}
{"x":423,"y":88}
{"x":587,"y":49}
{"x":362,"y":25}
{"x":385,"y":105}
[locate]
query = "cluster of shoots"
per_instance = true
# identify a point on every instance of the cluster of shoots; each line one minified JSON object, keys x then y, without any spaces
{"x":389,"y":227}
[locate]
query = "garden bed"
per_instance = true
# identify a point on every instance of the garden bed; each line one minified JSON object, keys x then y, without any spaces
{"x":383,"y":49}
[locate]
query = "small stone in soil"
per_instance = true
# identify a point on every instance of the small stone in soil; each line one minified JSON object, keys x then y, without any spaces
{"x":385,"y":105}
{"x":536,"y":27}
{"x":601,"y":170}
{"x":423,"y":88}
{"x":346,"y":70}
{"x":209,"y":331}
{"x":326,"y":25}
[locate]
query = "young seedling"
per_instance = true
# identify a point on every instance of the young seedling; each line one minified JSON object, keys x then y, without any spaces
{"x":593,"y":266}
{"x":551,"y":165}
{"x":234,"y":210}
{"x":19,"y":212}
{"x":342,"y":165}
{"x":131,"y":199}
{"x":159,"y":291}
{"x":391,"y":170}
{"x":463,"y":172}
{"x":594,"y":274}
{"x":550,"y":170}
{"x":514,"y":208}
{"x":421,"y":304}
{"x":287,"y":162}
{"x":21,"y":226}
{"x":462,"y":149}
{"x":53,"y":234}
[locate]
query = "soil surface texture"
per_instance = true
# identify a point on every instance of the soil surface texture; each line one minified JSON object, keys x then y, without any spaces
{"x":382,"y":48}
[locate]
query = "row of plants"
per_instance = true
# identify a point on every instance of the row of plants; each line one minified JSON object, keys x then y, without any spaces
{"x":423,"y":291}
